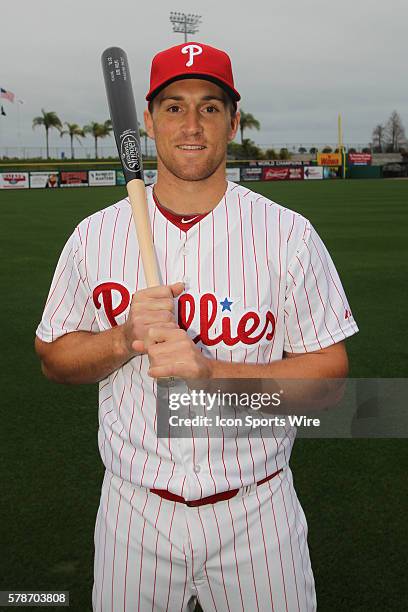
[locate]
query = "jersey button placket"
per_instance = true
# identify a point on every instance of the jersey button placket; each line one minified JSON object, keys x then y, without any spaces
{"x":184,"y":253}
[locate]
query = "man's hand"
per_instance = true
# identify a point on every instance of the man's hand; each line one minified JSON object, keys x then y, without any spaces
{"x":88,"y":357}
{"x":151,"y":308}
{"x":173,"y":353}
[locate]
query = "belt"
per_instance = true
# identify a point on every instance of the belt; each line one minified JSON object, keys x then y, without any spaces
{"x":210,"y":499}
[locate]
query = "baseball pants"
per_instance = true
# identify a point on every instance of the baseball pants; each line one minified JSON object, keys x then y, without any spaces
{"x":246,"y":553}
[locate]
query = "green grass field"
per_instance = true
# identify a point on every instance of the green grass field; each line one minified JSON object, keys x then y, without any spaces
{"x":353,"y":491}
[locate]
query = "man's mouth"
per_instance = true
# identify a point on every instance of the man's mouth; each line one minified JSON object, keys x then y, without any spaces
{"x":187,"y":147}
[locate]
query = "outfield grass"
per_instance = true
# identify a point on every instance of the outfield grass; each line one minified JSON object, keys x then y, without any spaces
{"x":353,"y":491}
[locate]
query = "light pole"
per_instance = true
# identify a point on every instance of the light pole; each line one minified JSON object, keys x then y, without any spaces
{"x":185,"y":23}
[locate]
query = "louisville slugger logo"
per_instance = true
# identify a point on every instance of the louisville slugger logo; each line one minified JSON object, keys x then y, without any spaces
{"x":129,"y":151}
{"x":192,"y":51}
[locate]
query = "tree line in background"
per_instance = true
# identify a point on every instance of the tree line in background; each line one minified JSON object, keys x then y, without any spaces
{"x":50,"y":120}
{"x":388,"y":138}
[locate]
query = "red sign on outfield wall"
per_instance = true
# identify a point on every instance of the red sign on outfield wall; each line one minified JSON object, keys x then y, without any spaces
{"x":360,"y":159}
{"x":281,"y":174}
{"x":74,"y":179}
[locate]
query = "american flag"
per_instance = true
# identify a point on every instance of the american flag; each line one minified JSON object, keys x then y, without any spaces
{"x":8,"y":95}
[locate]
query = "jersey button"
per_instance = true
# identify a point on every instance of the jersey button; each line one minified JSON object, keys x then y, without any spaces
{"x":197,"y":468}
{"x":185,"y":251}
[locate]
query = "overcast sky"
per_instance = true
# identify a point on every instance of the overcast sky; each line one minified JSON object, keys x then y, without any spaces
{"x":296,"y":64}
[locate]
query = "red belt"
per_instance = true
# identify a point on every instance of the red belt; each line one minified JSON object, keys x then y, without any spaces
{"x":210,"y":499}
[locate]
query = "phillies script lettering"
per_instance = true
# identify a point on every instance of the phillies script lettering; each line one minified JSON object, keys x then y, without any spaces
{"x":250,"y":328}
{"x":247,"y":326}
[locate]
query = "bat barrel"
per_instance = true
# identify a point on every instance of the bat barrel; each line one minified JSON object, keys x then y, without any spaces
{"x":115,"y":67}
{"x":122,"y":110}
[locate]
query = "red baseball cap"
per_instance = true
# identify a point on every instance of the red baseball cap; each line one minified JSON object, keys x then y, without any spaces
{"x":188,"y":61}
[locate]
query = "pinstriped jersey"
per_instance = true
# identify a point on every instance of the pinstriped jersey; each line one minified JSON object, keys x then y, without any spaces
{"x":258,"y":282}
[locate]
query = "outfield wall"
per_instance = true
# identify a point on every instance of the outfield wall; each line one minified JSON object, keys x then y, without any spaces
{"x":255,"y":171}
{"x":262,"y":170}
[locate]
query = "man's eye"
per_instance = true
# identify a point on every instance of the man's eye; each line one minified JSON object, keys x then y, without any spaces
{"x":173,"y":109}
{"x":211,"y":109}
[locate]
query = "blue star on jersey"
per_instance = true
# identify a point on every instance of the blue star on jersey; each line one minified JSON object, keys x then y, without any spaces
{"x":226,"y":304}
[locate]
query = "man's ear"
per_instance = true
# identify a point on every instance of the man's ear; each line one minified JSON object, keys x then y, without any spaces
{"x":148,"y":120}
{"x":234,"y":126}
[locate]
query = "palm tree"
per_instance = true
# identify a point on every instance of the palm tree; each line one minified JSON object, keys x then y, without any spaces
{"x":48,"y":120}
{"x":74,"y":131}
{"x":98,"y":130}
{"x":247,"y":122}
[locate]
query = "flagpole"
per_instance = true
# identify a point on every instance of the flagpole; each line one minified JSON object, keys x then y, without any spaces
{"x":6,"y":95}
{"x":18,"y":128}
{"x":1,"y":133}
{"x":341,"y":146}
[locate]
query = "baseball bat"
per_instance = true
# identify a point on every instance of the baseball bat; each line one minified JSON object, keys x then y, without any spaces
{"x":122,"y":110}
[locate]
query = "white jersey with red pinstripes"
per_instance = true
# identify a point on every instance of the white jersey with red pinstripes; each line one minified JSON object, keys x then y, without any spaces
{"x":259,"y":281}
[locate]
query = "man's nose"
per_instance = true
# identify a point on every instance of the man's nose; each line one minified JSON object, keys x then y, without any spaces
{"x":192,"y":122}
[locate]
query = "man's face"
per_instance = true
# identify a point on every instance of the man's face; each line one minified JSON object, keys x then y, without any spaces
{"x":191,"y":124}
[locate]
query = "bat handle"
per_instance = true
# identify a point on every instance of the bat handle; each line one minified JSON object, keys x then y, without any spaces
{"x":137,"y":196}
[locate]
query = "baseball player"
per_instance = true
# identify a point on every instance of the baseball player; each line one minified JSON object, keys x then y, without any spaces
{"x":248,"y":290}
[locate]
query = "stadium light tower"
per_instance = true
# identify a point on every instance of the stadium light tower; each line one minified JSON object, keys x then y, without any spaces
{"x":185,"y":23}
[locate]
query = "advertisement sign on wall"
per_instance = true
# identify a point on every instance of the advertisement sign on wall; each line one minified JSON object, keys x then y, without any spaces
{"x":329,"y":159}
{"x":233,"y":175}
{"x":14,"y":180}
{"x":120,"y":178}
{"x":251,"y":174}
{"x":101,"y":178}
{"x":360,"y":159}
{"x":282,"y":174}
{"x":74,"y":179}
{"x":296,"y":173}
{"x":41,"y":180}
{"x":275,"y":174}
{"x":330,"y":172}
{"x":313,"y":173}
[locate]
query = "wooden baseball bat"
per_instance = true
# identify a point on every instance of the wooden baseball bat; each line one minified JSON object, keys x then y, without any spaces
{"x":122,"y":110}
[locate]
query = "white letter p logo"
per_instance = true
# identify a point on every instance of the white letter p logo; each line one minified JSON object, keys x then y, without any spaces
{"x":192,"y":50}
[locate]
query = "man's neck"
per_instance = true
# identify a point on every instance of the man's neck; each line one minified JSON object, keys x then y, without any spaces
{"x":187,"y":197}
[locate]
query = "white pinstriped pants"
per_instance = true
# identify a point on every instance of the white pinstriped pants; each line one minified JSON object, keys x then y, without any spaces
{"x":247,"y":553}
